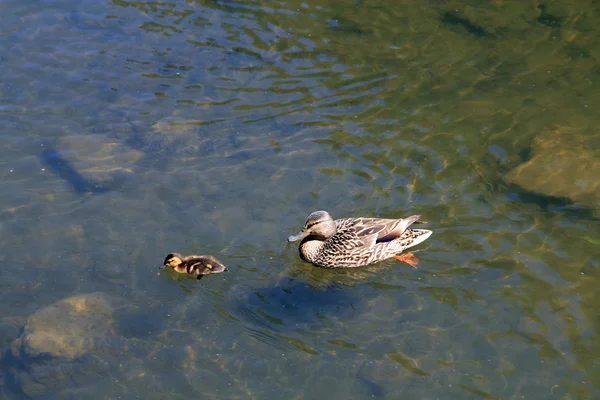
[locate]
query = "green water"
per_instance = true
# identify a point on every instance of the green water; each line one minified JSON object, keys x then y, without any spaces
{"x":135,"y":129}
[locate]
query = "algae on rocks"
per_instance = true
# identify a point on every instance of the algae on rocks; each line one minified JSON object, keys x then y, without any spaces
{"x":69,"y":328}
{"x":67,"y":345}
{"x":565,"y":163}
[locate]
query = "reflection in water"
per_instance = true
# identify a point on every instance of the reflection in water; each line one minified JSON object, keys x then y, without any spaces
{"x":291,"y":309}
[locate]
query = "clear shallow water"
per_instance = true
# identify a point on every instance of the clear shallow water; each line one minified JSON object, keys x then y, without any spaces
{"x":133,"y":129}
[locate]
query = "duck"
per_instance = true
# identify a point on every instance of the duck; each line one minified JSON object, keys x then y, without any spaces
{"x":195,"y":265}
{"x":356,"y":242}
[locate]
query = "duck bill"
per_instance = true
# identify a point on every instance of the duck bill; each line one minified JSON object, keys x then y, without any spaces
{"x":298,"y":236}
{"x":162,"y":267}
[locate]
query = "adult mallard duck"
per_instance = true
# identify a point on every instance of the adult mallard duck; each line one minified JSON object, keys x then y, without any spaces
{"x":193,"y":265}
{"x":354,"y":242}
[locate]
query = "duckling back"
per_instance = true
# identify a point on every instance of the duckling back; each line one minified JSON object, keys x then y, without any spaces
{"x":204,"y":265}
{"x":195,"y":265}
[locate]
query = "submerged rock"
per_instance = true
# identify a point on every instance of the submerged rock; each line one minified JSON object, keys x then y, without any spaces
{"x":90,"y":163}
{"x":10,"y":328}
{"x":67,"y":344}
{"x":565,"y":163}
{"x":69,"y":328}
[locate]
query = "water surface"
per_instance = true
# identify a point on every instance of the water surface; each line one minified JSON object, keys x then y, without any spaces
{"x":135,"y":129}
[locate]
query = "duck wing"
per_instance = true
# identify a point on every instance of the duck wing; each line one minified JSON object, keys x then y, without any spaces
{"x":376,"y":230}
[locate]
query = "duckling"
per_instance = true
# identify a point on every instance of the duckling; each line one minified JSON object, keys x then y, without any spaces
{"x":194,"y":265}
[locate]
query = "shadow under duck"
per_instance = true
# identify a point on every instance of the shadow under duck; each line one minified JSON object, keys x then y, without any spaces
{"x":194,"y":265}
{"x":355,"y":242}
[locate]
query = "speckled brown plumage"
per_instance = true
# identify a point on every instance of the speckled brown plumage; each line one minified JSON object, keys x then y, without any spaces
{"x":355,"y":242}
{"x":194,"y":265}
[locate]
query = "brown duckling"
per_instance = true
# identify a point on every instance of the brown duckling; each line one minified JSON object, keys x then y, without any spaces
{"x":194,"y":265}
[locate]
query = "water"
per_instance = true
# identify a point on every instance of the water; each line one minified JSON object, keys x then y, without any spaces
{"x":131,"y":130}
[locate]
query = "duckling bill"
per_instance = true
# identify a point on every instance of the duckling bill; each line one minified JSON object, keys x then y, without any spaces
{"x":194,"y":265}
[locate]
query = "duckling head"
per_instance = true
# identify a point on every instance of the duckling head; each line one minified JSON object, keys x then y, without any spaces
{"x":318,"y":224}
{"x":172,"y":260}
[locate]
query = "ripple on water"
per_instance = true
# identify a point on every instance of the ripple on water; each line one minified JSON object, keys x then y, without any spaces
{"x":217,"y":127}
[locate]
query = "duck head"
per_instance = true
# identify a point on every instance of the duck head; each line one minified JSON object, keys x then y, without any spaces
{"x":318,"y":224}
